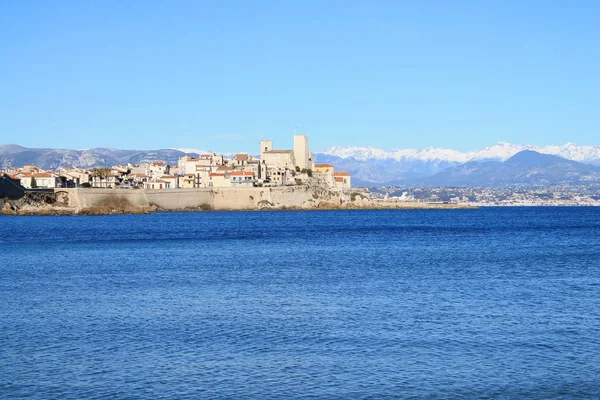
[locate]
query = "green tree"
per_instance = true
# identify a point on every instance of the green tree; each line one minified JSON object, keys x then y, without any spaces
{"x":308,"y":172}
{"x":102,"y":172}
{"x":33,"y":183}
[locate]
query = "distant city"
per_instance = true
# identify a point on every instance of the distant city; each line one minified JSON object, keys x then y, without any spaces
{"x":563,"y":195}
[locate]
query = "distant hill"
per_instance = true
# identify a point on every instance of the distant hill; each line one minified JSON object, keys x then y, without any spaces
{"x":12,"y":155}
{"x":526,"y":168}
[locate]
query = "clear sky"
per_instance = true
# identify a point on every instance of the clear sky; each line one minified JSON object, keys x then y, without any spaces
{"x":218,"y":75}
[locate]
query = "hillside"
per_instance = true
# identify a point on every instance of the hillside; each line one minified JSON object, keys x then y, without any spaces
{"x":12,"y":155}
{"x":527,"y":168}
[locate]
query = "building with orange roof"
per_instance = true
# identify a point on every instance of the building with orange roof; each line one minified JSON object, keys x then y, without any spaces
{"x":242,"y":178}
{"x":342,"y":180}
{"x":323,"y":168}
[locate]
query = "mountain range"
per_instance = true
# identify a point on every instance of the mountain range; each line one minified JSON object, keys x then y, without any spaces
{"x":501,"y":165}
{"x":370,"y":166}
{"x":525,"y":169}
{"x":501,"y":151}
{"x":12,"y":155}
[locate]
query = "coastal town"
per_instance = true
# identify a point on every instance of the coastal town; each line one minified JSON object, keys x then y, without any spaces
{"x":271,"y":167}
{"x":560,"y":195}
{"x":277,"y":179}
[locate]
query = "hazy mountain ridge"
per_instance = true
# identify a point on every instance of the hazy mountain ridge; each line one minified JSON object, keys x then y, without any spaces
{"x":17,"y":156}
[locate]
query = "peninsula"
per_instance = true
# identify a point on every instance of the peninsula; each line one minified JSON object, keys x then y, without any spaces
{"x":275,"y":180}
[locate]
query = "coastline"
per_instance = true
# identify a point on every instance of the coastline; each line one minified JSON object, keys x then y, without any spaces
{"x":120,"y":201}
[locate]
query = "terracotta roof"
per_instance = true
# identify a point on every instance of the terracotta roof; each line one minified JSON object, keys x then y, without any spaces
{"x":341,"y":173}
{"x":323,"y":166}
{"x":339,"y":179}
{"x":242,"y":173}
{"x":45,"y":175}
{"x":168,"y":177}
{"x":215,"y":174}
{"x":242,"y":157}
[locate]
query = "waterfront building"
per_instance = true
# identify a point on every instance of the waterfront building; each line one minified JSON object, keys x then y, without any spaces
{"x":342,"y":180}
{"x":242,"y":179}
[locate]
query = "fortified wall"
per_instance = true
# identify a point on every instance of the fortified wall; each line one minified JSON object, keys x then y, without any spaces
{"x":243,"y":198}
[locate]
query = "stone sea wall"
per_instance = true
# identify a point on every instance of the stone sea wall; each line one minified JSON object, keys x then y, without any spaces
{"x":115,"y":201}
{"x":243,"y":198}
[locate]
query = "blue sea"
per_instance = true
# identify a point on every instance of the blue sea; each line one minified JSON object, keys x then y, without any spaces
{"x":495,"y":303}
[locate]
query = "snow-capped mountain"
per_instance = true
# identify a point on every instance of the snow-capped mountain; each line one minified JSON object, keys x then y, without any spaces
{"x":192,"y":151}
{"x":501,"y":151}
{"x":371,"y":166}
{"x":525,"y":169}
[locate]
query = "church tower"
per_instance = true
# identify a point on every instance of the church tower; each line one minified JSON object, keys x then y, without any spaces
{"x":265,"y":145}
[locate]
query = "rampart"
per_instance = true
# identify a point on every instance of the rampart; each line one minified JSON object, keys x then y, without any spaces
{"x":243,"y":198}
{"x":116,"y":201}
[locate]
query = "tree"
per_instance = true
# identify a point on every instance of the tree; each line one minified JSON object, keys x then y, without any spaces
{"x":33,"y":183}
{"x":308,"y":172}
{"x":102,"y":172}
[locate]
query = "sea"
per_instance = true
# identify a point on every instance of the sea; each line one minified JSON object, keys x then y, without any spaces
{"x":490,"y":303}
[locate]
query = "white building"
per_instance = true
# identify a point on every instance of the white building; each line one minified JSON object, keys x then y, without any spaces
{"x":342,"y":180}
{"x":279,"y":159}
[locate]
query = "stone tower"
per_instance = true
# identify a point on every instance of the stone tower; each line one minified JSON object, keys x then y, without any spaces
{"x":265,"y":145}
{"x":301,"y":151}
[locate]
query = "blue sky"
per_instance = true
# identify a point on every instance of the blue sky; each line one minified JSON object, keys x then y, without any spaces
{"x":219,"y":75}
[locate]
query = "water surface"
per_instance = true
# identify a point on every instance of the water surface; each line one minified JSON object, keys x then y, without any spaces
{"x":489,"y":303}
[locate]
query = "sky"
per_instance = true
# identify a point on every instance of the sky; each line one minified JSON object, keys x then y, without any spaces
{"x":220,"y":75}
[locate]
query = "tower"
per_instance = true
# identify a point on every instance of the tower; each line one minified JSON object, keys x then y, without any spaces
{"x":265,"y":145}
{"x":301,"y":151}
